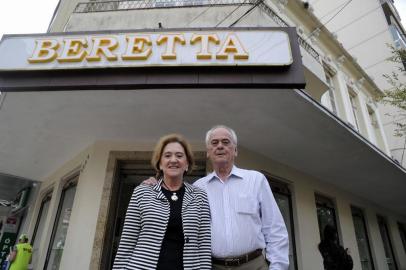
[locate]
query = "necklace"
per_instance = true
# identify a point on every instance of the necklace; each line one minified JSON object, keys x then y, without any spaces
{"x":174,"y":197}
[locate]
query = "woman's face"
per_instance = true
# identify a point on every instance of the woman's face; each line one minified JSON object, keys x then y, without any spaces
{"x":173,"y":161}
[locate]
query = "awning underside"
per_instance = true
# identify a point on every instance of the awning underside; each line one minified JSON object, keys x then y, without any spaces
{"x":40,"y":131}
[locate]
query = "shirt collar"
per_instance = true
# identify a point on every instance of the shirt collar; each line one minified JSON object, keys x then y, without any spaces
{"x":234,"y":172}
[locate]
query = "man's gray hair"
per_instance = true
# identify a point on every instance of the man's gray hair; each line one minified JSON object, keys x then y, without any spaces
{"x":230,"y":130}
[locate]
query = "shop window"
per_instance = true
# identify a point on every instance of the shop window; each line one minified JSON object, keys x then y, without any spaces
{"x":326,"y":213}
{"x":59,"y":231}
{"x":402,"y":231}
{"x":283,"y":198}
{"x":387,"y":243}
{"x":361,"y":234}
{"x":39,"y":227}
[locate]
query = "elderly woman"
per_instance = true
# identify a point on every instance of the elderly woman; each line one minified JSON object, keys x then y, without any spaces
{"x":167,"y":226}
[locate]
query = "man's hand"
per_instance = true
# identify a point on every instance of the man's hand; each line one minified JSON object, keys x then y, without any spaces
{"x":12,"y":256}
{"x":150,"y":182}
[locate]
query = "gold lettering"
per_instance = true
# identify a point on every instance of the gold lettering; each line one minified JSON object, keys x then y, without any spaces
{"x":45,"y":51}
{"x":204,"y":39}
{"x":136,"y":48}
{"x":105,"y":46}
{"x":232,"y":45}
{"x":170,"y":40}
{"x":73,"y":50}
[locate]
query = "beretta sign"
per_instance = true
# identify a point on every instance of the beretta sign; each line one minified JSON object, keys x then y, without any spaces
{"x":180,"y":48}
{"x":170,"y":58}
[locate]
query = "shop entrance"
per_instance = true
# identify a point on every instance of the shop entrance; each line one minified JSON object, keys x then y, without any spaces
{"x":129,"y":174}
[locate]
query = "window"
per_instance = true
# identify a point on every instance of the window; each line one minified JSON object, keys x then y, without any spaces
{"x":402,"y":231}
{"x":39,"y":227}
{"x":354,"y":108}
{"x":55,"y":249}
{"x":361,"y":234}
{"x":329,"y":99}
{"x":387,"y":244}
{"x":326,"y":213}
{"x":283,"y":198}
{"x":398,"y":38}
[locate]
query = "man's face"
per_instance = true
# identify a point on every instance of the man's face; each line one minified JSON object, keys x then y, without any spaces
{"x":221,"y":149}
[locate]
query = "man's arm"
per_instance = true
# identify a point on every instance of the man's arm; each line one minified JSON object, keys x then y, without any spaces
{"x":150,"y":182}
{"x":12,"y":255}
{"x":274,"y":229}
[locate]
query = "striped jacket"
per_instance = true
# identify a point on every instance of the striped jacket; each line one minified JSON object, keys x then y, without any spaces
{"x":145,"y":225}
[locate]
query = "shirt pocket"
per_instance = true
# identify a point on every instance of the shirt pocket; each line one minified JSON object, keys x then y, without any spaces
{"x":246,"y":205}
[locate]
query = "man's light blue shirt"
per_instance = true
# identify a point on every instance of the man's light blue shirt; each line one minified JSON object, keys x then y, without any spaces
{"x":245,"y":217}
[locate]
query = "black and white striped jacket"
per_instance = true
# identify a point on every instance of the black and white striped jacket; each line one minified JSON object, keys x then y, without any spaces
{"x":145,"y":225}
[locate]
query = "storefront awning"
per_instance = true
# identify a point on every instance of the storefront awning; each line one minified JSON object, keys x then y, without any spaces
{"x":40,"y":131}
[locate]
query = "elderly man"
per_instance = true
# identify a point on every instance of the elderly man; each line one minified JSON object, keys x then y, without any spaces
{"x":245,"y":219}
{"x":244,"y":213}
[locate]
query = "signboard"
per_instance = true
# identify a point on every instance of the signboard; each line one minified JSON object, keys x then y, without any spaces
{"x":7,"y":241}
{"x":146,"y":49}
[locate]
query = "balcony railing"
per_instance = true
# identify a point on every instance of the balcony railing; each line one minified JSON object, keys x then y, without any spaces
{"x":147,"y":4}
{"x":134,"y":4}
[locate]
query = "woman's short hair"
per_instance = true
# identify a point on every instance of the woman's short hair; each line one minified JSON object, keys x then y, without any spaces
{"x":159,"y":148}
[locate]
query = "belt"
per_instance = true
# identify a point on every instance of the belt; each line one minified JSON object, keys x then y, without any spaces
{"x":236,"y":261}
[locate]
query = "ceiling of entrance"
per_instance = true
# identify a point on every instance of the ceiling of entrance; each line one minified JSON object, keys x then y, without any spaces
{"x":40,"y":131}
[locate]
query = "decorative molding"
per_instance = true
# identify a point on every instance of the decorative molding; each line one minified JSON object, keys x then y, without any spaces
{"x":315,"y":34}
{"x":360,"y":82}
{"x":328,"y":65}
{"x":282,"y":5}
{"x":340,"y":60}
{"x":83,"y":165}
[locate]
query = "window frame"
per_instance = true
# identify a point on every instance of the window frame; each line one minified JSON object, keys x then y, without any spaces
{"x":354,"y":211}
{"x":279,"y":186}
{"x":46,"y":198}
{"x":382,"y":220}
{"x":71,"y":182}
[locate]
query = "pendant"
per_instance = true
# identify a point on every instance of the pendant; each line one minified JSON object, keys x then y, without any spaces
{"x":174,"y":197}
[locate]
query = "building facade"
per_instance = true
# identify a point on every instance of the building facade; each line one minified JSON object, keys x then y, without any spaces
{"x":87,"y":134}
{"x":352,"y":27}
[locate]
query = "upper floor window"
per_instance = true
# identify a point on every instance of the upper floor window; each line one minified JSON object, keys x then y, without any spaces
{"x":398,"y":38}
{"x":329,"y":98}
{"x":354,"y":107}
